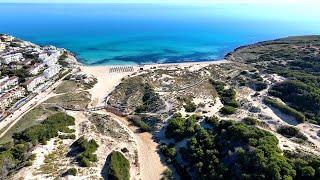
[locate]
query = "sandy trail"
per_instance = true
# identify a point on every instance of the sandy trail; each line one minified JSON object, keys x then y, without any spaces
{"x":151,"y":167}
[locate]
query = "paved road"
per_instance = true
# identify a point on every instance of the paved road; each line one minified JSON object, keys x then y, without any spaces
{"x":41,"y":97}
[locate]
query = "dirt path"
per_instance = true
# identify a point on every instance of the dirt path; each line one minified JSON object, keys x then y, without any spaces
{"x":151,"y":167}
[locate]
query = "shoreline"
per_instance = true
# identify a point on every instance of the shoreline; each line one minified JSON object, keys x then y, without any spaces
{"x":218,"y":61}
{"x":108,"y":79}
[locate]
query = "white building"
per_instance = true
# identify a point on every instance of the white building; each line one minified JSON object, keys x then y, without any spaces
{"x":7,"y":98}
{"x":4,"y":79}
{"x":13,"y":81}
{"x":7,"y":83}
{"x":43,"y":56}
{"x":2,"y":47}
{"x":12,"y":58}
{"x":34,"y":82}
{"x":51,"y":71}
{"x":36,"y":68}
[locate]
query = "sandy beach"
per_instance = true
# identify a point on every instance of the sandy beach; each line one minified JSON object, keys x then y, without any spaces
{"x":108,"y":79}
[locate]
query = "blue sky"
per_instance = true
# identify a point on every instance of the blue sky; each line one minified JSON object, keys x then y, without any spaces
{"x":313,"y":2}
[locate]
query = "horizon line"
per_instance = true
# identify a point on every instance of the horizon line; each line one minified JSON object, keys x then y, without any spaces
{"x":218,"y":2}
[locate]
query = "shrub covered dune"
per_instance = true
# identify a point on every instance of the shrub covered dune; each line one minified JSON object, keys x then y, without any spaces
{"x":230,"y":150}
{"x":298,"y":60}
{"x":17,"y":154}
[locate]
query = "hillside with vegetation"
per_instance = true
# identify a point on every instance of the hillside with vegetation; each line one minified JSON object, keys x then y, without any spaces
{"x":230,"y":150}
{"x":295,"y":58}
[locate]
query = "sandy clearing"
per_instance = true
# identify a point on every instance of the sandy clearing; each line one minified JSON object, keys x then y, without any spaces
{"x":106,"y":82}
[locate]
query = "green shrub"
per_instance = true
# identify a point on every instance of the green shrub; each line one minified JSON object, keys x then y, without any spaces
{"x":260,"y":85}
{"x":119,"y":168}
{"x":250,"y":121}
{"x":286,"y":109}
{"x":190,"y":107}
{"x":169,"y":152}
{"x":180,"y":128}
{"x":213,"y":120}
{"x":227,"y":96}
{"x":48,"y":129}
{"x":167,"y":175}
{"x":227,"y":110}
{"x":67,"y":136}
{"x":235,"y":151}
{"x":72,"y":171}
{"x":86,"y":151}
{"x":289,"y":131}
{"x":137,"y":121}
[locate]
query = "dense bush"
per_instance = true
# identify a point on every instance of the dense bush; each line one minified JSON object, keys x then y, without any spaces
{"x":167,"y":175}
{"x":301,"y":96}
{"x":190,"y":106}
{"x":150,"y":99}
{"x":85,"y":151}
{"x":227,"y":110}
{"x":236,"y":151}
{"x":169,"y":151}
{"x":306,"y":166}
{"x":227,"y":96}
{"x":72,"y":171}
{"x":119,"y":168}
{"x":48,"y":129}
{"x":213,"y":120}
{"x":67,"y":136}
{"x":286,"y":109}
{"x":250,"y":121}
{"x":137,"y":121}
{"x":260,"y":85}
{"x":180,"y":128}
{"x":14,"y":156}
{"x":289,"y":131}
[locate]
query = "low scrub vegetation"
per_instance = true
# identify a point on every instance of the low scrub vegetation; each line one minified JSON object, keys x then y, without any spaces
{"x":169,"y":151}
{"x":299,"y":95}
{"x":180,"y":128}
{"x":150,"y":99}
{"x":289,"y":131}
{"x":227,"y":96}
{"x":137,"y":121}
{"x":250,"y":121}
{"x":297,"y":60}
{"x":190,"y":106}
{"x":285,"y":109}
{"x":48,"y":129}
{"x":85,"y":151}
{"x":119,"y":167}
{"x":227,"y":110}
{"x":233,"y":150}
{"x":16,"y":155}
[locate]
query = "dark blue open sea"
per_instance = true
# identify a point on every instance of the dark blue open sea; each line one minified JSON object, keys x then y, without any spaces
{"x":145,"y":33}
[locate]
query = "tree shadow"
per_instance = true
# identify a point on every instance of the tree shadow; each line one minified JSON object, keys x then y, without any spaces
{"x":105,"y":168}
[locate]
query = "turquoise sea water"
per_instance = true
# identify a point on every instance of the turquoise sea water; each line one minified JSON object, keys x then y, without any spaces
{"x":146,"y":33}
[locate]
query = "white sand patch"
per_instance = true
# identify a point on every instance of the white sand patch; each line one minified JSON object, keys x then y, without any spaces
{"x":40,"y":151}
